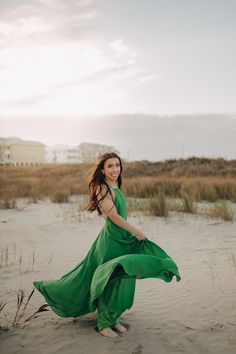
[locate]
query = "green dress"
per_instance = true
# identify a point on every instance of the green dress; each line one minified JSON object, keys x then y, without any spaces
{"x":105,"y":279}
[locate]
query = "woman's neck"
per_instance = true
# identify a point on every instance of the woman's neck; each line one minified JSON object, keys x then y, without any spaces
{"x":112,"y":184}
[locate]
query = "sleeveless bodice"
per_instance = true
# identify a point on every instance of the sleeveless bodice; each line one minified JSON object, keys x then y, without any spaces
{"x":120,"y":203}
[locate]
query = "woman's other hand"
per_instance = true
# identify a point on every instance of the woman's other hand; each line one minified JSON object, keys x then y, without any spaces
{"x":140,"y":236}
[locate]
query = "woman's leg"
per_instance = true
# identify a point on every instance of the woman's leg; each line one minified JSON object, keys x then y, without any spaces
{"x":106,"y":318}
{"x":118,"y":293}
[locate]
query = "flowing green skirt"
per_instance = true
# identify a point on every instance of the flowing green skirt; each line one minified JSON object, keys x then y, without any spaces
{"x":106,"y":277}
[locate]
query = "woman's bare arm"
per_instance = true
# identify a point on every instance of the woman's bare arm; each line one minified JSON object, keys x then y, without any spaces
{"x":109,"y":208}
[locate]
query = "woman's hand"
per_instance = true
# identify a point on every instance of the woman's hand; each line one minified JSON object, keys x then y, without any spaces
{"x":140,"y":236}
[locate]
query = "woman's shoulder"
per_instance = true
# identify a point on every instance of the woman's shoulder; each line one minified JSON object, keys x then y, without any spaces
{"x":102,"y":189}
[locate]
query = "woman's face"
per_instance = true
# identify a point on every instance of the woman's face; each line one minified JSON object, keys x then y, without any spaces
{"x":112,"y":169}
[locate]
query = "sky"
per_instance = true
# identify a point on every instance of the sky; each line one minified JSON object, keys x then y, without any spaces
{"x":68,"y":61}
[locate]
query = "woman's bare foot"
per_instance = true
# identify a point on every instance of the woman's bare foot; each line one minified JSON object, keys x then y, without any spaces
{"x":120,"y":328}
{"x":108,"y":332}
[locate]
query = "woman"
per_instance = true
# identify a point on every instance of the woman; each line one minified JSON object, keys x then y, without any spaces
{"x":105,"y":279}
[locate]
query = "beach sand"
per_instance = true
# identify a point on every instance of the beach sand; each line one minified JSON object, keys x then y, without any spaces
{"x":195,"y":315}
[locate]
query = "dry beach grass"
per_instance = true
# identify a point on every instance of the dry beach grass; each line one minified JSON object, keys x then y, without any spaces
{"x":201,"y":179}
{"x":192,"y":180}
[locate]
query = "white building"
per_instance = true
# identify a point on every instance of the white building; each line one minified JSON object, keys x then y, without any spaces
{"x":63,"y":154}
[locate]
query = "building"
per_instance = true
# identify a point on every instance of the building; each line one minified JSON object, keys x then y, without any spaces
{"x":17,"y":152}
{"x":63,"y":154}
{"x":91,"y":151}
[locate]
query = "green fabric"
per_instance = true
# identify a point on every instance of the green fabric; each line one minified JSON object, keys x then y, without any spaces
{"x":105,"y":279}
{"x":107,"y":318}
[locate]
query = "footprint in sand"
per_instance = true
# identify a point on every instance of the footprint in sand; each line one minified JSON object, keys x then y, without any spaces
{"x":138,"y":349}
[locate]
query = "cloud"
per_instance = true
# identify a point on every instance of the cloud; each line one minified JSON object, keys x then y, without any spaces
{"x":46,"y":51}
{"x":121,"y":49}
{"x":45,"y":21}
{"x":110,"y":73}
{"x":147,"y":78}
{"x":50,"y":49}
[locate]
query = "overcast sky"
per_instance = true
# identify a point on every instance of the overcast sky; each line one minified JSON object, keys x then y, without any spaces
{"x":81,"y":58}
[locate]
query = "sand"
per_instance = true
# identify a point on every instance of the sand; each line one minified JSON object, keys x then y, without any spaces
{"x":195,"y":315}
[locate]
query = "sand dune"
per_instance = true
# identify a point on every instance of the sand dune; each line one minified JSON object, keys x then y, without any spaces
{"x":195,"y":315}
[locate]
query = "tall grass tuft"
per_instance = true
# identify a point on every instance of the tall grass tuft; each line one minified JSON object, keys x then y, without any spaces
{"x":188,"y":203}
{"x":137,"y":204}
{"x":8,"y":202}
{"x":10,"y":256}
{"x":60,"y":196}
{"x":175,"y":205}
{"x":158,"y":205}
{"x":222,"y":210}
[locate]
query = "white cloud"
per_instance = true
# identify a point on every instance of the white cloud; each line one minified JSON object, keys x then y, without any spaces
{"x":47,"y":74}
{"x":45,"y":21}
{"x":23,"y":27}
{"x":46,"y":55}
{"x":121,"y":49}
{"x":53,"y":56}
{"x":147,"y":78}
